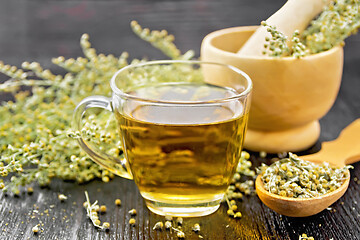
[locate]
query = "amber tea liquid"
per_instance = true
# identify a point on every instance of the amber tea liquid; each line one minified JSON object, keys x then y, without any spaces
{"x":182,"y":156}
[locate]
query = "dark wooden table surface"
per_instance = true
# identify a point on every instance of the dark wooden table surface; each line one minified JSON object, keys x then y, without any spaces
{"x":37,"y":30}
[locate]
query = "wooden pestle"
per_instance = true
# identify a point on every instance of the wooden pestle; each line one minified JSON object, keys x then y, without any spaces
{"x":294,"y":15}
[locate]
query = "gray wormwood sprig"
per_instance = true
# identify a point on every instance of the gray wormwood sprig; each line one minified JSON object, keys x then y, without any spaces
{"x":297,"y":178}
{"x":36,"y":140}
{"x":161,"y":40}
{"x":338,"y":20}
{"x":278,"y":46}
{"x":275,"y":46}
{"x":298,"y":48}
{"x":92,"y":213}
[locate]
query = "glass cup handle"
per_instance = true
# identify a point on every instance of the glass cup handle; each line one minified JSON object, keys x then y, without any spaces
{"x":113,"y":164}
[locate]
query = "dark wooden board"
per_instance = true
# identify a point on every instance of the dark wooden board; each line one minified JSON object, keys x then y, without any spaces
{"x":37,"y":30}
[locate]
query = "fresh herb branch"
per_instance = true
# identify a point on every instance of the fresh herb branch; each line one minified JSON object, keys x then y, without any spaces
{"x":36,"y":142}
{"x":338,"y":20}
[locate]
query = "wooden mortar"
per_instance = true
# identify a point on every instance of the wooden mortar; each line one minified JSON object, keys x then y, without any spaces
{"x":289,"y":96}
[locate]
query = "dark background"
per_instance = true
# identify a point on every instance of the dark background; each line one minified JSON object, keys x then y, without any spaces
{"x":37,"y":30}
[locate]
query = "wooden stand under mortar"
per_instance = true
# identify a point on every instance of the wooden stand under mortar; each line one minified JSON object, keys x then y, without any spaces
{"x":289,"y":96}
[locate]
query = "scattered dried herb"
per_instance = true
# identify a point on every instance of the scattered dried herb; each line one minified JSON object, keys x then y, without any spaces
{"x":117,"y":202}
{"x":102,"y":209}
{"x":305,"y":237}
{"x":196,"y":227}
{"x":132,"y":212}
{"x":168,"y":225}
{"x":132,"y":221}
{"x":158,"y":226}
{"x":62,"y":197}
{"x":91,"y":210}
{"x":35,"y":229}
{"x":180,"y":234}
{"x":240,"y":186}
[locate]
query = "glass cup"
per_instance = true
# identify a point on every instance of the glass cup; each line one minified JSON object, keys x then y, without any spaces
{"x":181,"y":125}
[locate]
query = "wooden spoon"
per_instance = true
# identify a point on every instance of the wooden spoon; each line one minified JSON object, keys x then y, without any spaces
{"x":343,"y":150}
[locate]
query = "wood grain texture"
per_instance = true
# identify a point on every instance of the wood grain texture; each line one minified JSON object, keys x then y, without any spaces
{"x":37,"y":30}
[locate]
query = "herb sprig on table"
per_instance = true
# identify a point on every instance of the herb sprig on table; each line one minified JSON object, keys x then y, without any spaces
{"x":36,"y":141}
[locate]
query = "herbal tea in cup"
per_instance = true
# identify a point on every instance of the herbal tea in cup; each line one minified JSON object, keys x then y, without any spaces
{"x":181,"y":132}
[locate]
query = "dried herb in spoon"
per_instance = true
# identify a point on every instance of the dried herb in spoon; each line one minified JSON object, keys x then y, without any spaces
{"x":297,"y":178}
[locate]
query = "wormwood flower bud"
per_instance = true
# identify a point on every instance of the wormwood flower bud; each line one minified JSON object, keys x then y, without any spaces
{"x":103,"y":209}
{"x":179,"y":220}
{"x":158,"y":226}
{"x":180,"y":234}
{"x":62,"y":197}
{"x":106,"y":225}
{"x":132,"y":221}
{"x":132,"y":212}
{"x":25,"y":65}
{"x":168,"y":224}
{"x":35,"y":229}
{"x":230,"y":212}
{"x":237,"y":215}
{"x":196,"y":227}
{"x":117,"y":202}
{"x":30,"y":190}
